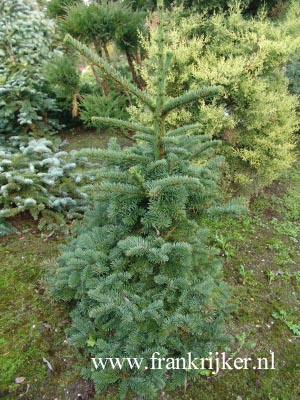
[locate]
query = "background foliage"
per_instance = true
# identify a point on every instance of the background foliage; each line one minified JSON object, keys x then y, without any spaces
{"x":34,"y":175}
{"x":25,"y":42}
{"x":255,"y":116}
{"x":112,"y":29}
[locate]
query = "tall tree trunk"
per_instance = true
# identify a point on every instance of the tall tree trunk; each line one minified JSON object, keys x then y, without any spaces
{"x":139,"y":63}
{"x":106,"y":85}
{"x":106,"y":52}
{"x":132,"y":69}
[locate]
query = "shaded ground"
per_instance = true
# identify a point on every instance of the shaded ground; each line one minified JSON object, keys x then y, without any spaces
{"x":78,"y":139}
{"x":261,"y":263}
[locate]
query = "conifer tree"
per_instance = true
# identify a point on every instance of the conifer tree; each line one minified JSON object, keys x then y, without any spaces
{"x":140,"y":275}
{"x":25,"y":43}
{"x":35,"y":175}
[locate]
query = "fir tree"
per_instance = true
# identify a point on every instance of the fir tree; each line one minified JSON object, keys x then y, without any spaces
{"x":25,"y":43}
{"x":141,"y":272}
{"x":35,"y":176}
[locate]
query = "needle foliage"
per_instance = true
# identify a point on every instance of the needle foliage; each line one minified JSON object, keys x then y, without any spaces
{"x":140,"y":274}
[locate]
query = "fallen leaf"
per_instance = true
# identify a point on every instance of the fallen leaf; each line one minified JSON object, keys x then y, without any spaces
{"x":47,"y":363}
{"x":20,"y":379}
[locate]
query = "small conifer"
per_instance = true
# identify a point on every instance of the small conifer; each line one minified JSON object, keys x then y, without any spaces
{"x":140,"y":274}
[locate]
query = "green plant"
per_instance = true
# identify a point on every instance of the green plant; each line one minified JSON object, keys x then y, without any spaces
{"x":103,"y":106}
{"x":246,"y":275}
{"x":283,"y":251}
{"x":25,"y":42}
{"x":293,"y":73}
{"x":59,"y":8}
{"x":254,"y":115}
{"x":36,"y":177}
{"x":283,"y":275}
{"x":99,"y":24}
{"x":63,"y":80}
{"x":6,"y":228}
{"x":288,"y":228}
{"x":287,"y":319}
{"x":140,"y":274}
{"x":242,"y":342}
{"x":223,"y":242}
{"x":272,"y":275}
{"x":110,"y":28}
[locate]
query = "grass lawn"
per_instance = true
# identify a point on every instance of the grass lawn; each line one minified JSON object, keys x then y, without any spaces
{"x":261,"y":263}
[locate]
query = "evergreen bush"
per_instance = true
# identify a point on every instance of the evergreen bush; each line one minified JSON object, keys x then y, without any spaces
{"x":36,"y":177}
{"x":113,"y":106}
{"x":255,"y":116}
{"x":59,"y":8}
{"x":112,"y":30}
{"x":62,"y":76}
{"x":78,"y":94}
{"x":25,"y":42}
{"x":100,"y":24}
{"x":140,"y":275}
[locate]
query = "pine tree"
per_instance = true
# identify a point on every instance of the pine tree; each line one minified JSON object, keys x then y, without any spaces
{"x":141,"y":272}
{"x":99,"y":24}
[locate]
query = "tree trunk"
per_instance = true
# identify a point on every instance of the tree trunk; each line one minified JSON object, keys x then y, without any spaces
{"x":106,"y":85}
{"x":139,"y":63}
{"x":106,"y":52}
{"x":132,"y":69}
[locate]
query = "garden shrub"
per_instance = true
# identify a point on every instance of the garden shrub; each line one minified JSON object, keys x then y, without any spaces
{"x":255,"y":115}
{"x":25,"y":42}
{"x":36,"y":177}
{"x":112,"y":29}
{"x":62,"y":77}
{"x":58,"y":8}
{"x":104,"y":106}
{"x":102,"y":23}
{"x":78,"y":93}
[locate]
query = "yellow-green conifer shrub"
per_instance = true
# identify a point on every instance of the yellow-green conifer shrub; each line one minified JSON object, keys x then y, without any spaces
{"x":255,"y":115}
